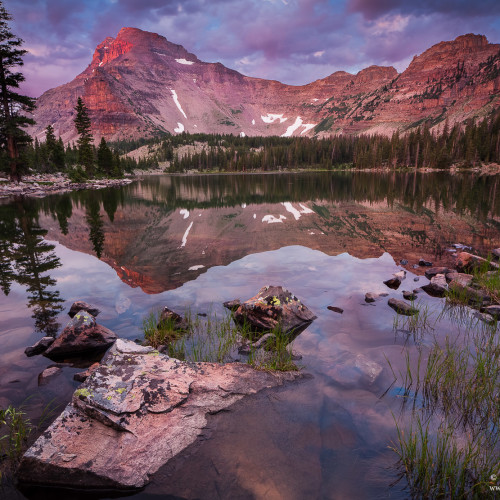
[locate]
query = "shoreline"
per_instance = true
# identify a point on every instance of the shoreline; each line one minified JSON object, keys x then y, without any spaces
{"x":40,"y":185}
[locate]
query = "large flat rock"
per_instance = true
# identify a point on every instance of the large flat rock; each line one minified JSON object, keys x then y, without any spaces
{"x":136,"y":411}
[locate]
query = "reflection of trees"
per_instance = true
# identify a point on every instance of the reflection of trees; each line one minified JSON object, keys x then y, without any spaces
{"x":26,"y":258}
{"x":64,"y":210}
{"x":96,"y":224}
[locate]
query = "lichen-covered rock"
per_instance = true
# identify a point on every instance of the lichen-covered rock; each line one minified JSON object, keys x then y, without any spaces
{"x":80,"y":305}
{"x":402,"y":307}
{"x":273,"y":306}
{"x":135,"y":412}
{"x":81,"y":335}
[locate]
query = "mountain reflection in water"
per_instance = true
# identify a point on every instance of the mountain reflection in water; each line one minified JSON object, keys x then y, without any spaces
{"x":196,"y":241}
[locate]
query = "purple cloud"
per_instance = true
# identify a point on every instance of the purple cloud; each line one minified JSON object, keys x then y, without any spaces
{"x":295,"y":41}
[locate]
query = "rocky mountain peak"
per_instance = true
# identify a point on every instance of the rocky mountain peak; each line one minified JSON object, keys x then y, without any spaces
{"x":139,"y":84}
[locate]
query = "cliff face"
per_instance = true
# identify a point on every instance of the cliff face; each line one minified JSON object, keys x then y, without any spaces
{"x":139,"y":83}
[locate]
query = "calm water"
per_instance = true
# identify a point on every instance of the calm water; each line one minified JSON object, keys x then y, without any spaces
{"x":197,"y":241}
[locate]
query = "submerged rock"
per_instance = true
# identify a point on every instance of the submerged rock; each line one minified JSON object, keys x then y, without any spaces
{"x":133,"y":414}
{"x":402,"y":307}
{"x":335,"y":309}
{"x":81,"y":335}
{"x":273,"y":306}
{"x":80,"y":305}
{"x":351,"y":370}
{"x":47,"y":374}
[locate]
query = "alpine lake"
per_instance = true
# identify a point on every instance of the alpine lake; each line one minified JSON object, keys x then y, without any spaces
{"x":192,"y":242}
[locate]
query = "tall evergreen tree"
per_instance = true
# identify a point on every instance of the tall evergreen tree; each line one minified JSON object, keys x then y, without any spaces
{"x":13,"y":106}
{"x":105,"y":158}
{"x":83,"y":127}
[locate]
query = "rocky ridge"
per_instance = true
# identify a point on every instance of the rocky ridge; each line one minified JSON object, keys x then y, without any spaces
{"x":139,"y":84}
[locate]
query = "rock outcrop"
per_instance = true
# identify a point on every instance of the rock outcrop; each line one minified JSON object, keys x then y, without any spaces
{"x":274,"y":306}
{"x":82,"y":335}
{"x":140,"y":84}
{"x":135,"y":412}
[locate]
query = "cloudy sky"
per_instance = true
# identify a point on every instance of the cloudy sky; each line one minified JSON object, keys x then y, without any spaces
{"x":294,"y":41}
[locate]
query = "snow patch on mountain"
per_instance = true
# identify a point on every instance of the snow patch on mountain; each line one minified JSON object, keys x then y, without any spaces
{"x":271,"y":118}
{"x":185,"y":237}
{"x":253,"y":122}
{"x":307,"y":127}
{"x":270,"y":219}
{"x":296,"y":213}
{"x":242,"y":134}
{"x":177,"y":103}
{"x":180,"y":128}
{"x":292,"y":128}
{"x":184,"y":212}
{"x":185,"y":61}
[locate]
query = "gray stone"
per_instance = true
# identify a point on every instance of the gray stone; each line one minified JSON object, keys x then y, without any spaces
{"x":80,"y":305}
{"x":39,"y":347}
{"x":132,"y":415}
{"x":431,"y":272}
{"x":437,"y":287}
{"x":232,"y":305}
{"x":423,"y":262}
{"x":496,"y":253}
{"x":461,"y":278}
{"x":494,"y":310}
{"x":370,"y":297}
{"x":409,"y":295}
{"x":402,"y":307}
{"x":484,"y":317}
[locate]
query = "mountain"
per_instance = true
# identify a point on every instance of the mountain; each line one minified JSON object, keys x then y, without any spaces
{"x":139,"y":84}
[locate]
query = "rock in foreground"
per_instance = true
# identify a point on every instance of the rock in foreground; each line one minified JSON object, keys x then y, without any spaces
{"x":274,"y":305}
{"x":133,"y":414}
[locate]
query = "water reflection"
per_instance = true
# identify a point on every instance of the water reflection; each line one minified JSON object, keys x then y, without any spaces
{"x":27,"y":259}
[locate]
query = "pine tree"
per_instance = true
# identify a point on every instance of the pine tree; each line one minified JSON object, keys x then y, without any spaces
{"x":105,"y":158}
{"x":83,"y":127}
{"x":13,"y":106}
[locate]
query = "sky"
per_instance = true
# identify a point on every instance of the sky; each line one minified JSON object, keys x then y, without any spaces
{"x":293,"y":41}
